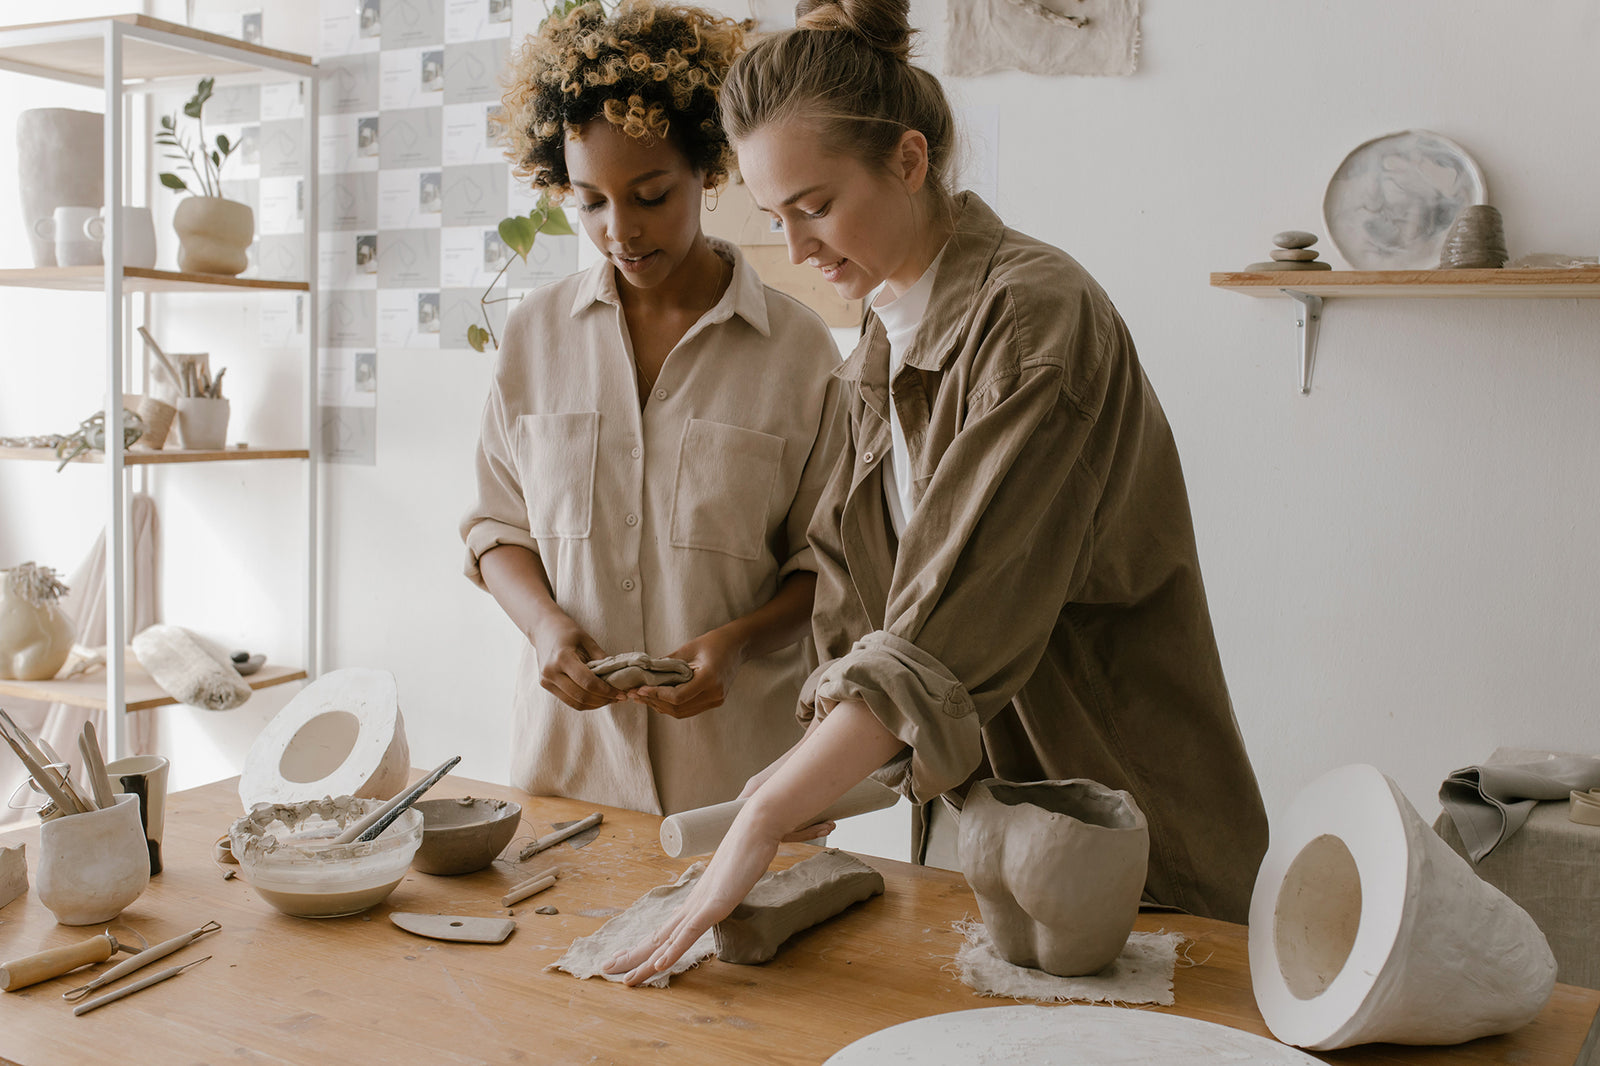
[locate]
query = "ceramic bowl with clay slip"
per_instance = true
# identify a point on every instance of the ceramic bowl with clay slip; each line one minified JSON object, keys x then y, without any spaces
{"x":460,"y":836}
{"x":286,"y":855}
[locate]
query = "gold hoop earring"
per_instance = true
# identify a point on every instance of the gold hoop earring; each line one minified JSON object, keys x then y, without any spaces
{"x":712,"y":198}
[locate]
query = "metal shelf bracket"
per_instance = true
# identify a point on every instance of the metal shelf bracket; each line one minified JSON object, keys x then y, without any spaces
{"x":1307,"y":319}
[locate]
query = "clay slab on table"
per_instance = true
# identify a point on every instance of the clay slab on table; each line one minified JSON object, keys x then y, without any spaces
{"x":789,"y":901}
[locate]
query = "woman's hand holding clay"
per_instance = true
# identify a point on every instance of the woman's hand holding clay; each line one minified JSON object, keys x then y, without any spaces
{"x":715,"y":659}
{"x":565,"y":652}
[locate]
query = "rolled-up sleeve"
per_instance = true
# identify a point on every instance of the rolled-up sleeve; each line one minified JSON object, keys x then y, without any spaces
{"x":499,"y":515}
{"x":983,"y":570}
{"x":827,"y":450}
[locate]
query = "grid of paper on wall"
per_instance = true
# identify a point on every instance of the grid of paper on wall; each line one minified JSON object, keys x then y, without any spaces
{"x":411,"y":190}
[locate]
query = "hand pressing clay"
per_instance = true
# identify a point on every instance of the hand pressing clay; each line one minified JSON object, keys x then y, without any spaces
{"x":789,"y":901}
{"x":635,"y":669}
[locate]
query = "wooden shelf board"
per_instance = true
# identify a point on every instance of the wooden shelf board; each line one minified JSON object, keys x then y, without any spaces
{"x":1574,"y":283}
{"x":136,"y":279}
{"x":137,"y":456}
{"x":139,"y":691}
{"x":84,"y":54}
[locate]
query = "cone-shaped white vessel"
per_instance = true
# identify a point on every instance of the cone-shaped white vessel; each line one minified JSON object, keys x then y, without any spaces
{"x":1366,"y":927}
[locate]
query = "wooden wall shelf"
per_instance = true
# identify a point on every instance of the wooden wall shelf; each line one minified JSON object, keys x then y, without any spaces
{"x":137,"y":456}
{"x":137,"y":279}
{"x":152,"y":49}
{"x":140,"y":692}
{"x":1308,"y":288}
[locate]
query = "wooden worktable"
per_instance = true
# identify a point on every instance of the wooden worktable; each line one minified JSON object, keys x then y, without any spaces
{"x":359,"y":990}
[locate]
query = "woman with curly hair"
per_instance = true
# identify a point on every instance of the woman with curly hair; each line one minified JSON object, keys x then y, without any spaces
{"x":657,"y":435}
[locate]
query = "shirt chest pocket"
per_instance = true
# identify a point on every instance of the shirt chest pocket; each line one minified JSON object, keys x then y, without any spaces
{"x":725,"y":480}
{"x":555,"y":458}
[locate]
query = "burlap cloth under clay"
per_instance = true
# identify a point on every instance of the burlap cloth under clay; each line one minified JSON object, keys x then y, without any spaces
{"x":635,"y":669}
{"x":1142,"y":973}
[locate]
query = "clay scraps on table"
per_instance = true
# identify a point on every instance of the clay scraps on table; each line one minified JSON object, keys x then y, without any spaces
{"x":1141,"y":974}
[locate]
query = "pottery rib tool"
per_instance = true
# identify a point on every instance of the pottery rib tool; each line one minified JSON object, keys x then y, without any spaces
{"x":43,"y":965}
{"x":141,"y":960}
{"x":94,"y":765}
{"x":550,"y":840}
{"x":155,"y":978}
{"x":155,"y":349}
{"x":455,"y":927}
{"x":379,"y":819}
{"x":698,"y":832}
{"x":531,"y":887}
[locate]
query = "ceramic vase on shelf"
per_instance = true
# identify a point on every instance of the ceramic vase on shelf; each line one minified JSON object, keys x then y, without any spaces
{"x":35,"y":634}
{"x":202,"y":423}
{"x":59,"y":153}
{"x":93,"y":864}
{"x":214,"y":235}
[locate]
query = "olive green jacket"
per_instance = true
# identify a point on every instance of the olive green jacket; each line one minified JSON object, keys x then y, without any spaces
{"x":1042,"y":616}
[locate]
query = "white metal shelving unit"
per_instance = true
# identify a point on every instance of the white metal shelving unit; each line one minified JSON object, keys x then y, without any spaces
{"x":125,"y":56}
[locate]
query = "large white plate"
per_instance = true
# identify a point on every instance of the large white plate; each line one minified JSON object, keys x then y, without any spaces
{"x":1391,"y":202}
{"x":1065,"y":1036}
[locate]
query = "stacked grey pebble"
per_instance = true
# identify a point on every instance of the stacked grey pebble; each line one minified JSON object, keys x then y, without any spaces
{"x":1293,"y":252}
{"x":1477,"y":240}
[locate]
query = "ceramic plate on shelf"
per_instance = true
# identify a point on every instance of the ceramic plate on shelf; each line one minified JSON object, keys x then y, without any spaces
{"x":1391,"y":202}
{"x":1068,"y":1035}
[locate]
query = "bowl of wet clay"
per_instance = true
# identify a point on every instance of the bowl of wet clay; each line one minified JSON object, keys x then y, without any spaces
{"x":285,"y":852}
{"x":463,"y":835}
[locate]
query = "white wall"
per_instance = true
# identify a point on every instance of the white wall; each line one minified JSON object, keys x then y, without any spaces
{"x":1399,"y":564}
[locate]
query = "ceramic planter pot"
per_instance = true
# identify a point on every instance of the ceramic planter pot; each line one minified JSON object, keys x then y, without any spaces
{"x":203,"y":423}
{"x":1058,"y":868}
{"x":59,"y":153}
{"x":35,"y":638}
{"x":92,"y":865}
{"x":214,"y":235}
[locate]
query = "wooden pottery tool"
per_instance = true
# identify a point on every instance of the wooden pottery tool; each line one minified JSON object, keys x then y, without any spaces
{"x":94,"y":765}
{"x":141,"y":960}
{"x":698,"y":832}
{"x":455,"y":927}
{"x":377,"y":821}
{"x":531,"y":887}
{"x":43,"y":965}
{"x":550,"y":840}
{"x":161,"y":356}
{"x":153,"y":979}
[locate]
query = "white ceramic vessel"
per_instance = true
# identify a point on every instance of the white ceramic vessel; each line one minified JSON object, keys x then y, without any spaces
{"x":92,"y":865}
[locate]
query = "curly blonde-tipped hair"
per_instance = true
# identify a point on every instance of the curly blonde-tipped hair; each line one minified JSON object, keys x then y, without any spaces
{"x":653,"y":70}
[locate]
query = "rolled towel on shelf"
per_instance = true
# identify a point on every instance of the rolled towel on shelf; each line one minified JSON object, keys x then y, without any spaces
{"x":190,"y":668}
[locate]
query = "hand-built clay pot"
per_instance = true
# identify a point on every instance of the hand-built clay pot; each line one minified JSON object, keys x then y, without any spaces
{"x":463,"y":835}
{"x":91,"y":865}
{"x":59,"y":154}
{"x":1058,"y":868}
{"x":35,"y":634}
{"x":214,"y":235}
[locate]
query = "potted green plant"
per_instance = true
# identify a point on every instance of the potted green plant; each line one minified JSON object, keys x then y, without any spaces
{"x":518,"y":232}
{"x":214,"y":233}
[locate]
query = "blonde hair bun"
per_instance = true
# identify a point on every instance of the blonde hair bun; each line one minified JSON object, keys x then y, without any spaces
{"x":883,"y":24}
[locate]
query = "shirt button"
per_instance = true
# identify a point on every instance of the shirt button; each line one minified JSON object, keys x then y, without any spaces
{"x":627,"y":584}
{"x":636,"y":453}
{"x":632,"y":520}
{"x":866,"y":457}
{"x":661,"y":394}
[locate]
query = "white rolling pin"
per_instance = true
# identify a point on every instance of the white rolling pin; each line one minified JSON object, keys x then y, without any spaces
{"x":698,"y":832}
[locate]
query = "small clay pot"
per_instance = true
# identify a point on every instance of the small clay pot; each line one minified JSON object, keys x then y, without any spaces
{"x":463,"y":835}
{"x":214,"y":235}
{"x":92,"y":865}
{"x":203,"y":423}
{"x":1058,"y":868}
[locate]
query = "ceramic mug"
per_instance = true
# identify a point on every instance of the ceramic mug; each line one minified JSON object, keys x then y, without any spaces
{"x":202,"y":423}
{"x":65,"y":227}
{"x":138,"y":235}
{"x":144,"y":777}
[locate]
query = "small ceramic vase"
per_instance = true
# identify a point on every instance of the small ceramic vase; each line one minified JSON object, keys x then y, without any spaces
{"x":1477,"y":240}
{"x":92,"y":865}
{"x":35,"y":638}
{"x":1058,"y":868}
{"x":59,"y":153}
{"x":214,"y":235}
{"x":203,"y":423}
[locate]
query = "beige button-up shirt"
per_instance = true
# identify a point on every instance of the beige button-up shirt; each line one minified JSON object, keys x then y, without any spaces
{"x":659,"y":524}
{"x":1042,"y":615}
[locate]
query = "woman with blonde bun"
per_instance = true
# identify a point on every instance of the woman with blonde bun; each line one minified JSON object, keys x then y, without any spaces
{"x":656,"y":437}
{"x":1008,"y":584}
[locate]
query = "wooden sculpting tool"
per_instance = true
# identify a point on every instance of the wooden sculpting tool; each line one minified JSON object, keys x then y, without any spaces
{"x":94,"y":765}
{"x":141,"y":960}
{"x":155,"y":978}
{"x":698,"y":832}
{"x":155,"y":349}
{"x":550,"y":840}
{"x":43,"y":965}
{"x":380,"y":818}
{"x":531,"y":887}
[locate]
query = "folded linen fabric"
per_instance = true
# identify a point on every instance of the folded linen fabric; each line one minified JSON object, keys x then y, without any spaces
{"x":190,"y":668}
{"x":634,"y":669}
{"x":1490,"y":802}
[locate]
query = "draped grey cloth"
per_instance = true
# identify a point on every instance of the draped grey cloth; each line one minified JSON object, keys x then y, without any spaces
{"x":1491,"y":801}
